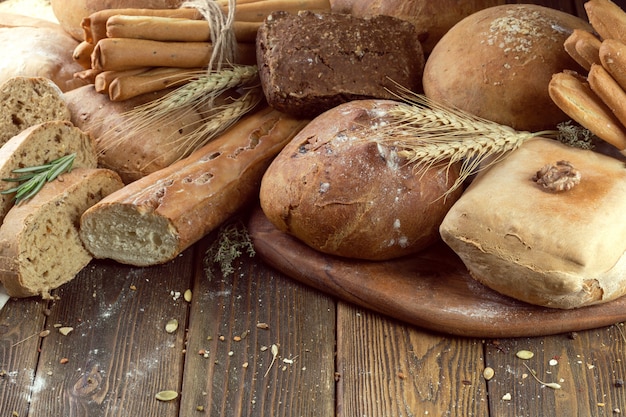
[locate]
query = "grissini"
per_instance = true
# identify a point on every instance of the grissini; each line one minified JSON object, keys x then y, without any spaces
{"x":155,"y":79}
{"x":153,"y":219}
{"x":82,"y":54}
{"x":607,"y":18}
{"x":583,"y":47}
{"x":172,"y":29}
{"x":572,"y":94}
{"x":608,"y":90}
{"x":103,"y":80}
{"x":613,"y":58}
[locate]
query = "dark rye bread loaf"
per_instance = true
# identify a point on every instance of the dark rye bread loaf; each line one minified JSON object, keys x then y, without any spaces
{"x":310,"y":62}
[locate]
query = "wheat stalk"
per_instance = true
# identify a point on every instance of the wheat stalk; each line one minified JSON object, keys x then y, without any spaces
{"x":198,"y":95}
{"x":428,"y":133}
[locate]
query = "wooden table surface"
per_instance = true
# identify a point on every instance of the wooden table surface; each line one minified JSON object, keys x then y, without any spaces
{"x":258,"y":343}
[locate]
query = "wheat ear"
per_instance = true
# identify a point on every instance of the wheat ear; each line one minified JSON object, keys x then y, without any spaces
{"x":428,"y":133}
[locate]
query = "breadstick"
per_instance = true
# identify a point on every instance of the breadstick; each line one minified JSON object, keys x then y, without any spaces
{"x":94,"y":25}
{"x":609,"y":91}
{"x":572,"y":94}
{"x":82,"y":54}
{"x":104,"y":79}
{"x":607,"y":18}
{"x":172,"y":29}
{"x":157,"y":79}
{"x":583,"y":47}
{"x":119,"y":54}
{"x":613,"y":58}
{"x":88,"y":75}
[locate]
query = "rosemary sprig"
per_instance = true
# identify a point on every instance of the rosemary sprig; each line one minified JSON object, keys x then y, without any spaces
{"x":34,"y":178}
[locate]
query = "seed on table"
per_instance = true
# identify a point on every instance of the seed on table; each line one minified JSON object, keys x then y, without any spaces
{"x":488,"y":373}
{"x":524,"y":354}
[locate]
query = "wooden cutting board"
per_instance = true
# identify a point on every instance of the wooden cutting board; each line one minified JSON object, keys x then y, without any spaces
{"x":431,"y":290}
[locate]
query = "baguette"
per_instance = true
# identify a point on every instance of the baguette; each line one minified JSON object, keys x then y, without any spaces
{"x":39,"y":244}
{"x":39,"y":145}
{"x":613,"y":58}
{"x":27,"y":101}
{"x":608,"y":90}
{"x":155,"y":218}
{"x":607,"y":18}
{"x":583,"y":47}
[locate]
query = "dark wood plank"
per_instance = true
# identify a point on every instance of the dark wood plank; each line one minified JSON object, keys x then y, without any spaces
{"x":589,"y":367}
{"x":20,"y":323}
{"x":118,"y":355}
{"x":390,"y":369}
{"x":228,"y":376}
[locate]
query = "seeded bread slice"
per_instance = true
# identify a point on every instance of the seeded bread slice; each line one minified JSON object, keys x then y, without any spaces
{"x":39,"y":145}
{"x":40,"y":248}
{"x":26,"y":101}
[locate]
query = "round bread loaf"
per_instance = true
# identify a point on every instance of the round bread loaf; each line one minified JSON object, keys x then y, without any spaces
{"x":70,"y":13}
{"x":343,"y":191}
{"x":498,"y":62}
{"x":432,"y":19}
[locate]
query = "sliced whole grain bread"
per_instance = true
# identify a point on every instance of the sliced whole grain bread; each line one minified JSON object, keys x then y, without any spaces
{"x":40,"y":248}
{"x":27,"y":101}
{"x":39,"y":145}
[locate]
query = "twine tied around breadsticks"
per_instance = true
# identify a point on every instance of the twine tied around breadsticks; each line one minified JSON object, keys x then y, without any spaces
{"x":221,"y":95}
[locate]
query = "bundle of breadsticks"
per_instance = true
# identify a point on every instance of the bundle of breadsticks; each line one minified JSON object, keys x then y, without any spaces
{"x":597,"y":99}
{"x":128,"y":52}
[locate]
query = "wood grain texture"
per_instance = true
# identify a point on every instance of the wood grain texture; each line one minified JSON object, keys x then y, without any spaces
{"x":118,"y":355}
{"x":231,"y":359}
{"x":407,"y":371}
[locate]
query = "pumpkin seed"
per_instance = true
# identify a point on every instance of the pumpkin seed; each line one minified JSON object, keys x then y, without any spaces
{"x":171,"y":326}
{"x":187,"y":296}
{"x":524,"y":354}
{"x":65,"y":330}
{"x":167,"y":395}
{"x":488,"y":373}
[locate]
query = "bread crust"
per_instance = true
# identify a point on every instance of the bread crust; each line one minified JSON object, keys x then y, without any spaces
{"x":343,"y":191}
{"x":497,"y":64}
{"x":169,"y":210}
{"x":554,"y":249}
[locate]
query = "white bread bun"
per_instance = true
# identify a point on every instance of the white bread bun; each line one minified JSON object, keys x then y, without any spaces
{"x":498,"y":62}
{"x":555,"y":249}
{"x":338,"y":188}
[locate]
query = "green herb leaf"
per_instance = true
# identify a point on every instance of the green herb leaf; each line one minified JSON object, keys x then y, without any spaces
{"x":35,"y":177}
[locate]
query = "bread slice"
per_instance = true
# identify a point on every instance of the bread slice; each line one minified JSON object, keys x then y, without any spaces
{"x":40,"y":144}
{"x":27,"y":101}
{"x":40,"y":248}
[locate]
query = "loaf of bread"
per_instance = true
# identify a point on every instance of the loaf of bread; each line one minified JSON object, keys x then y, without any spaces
{"x":155,"y":218}
{"x":39,"y":145}
{"x":310,"y":62}
{"x":27,"y":101}
{"x":432,"y":19}
{"x":44,"y":50}
{"x":129,"y":154}
{"x":545,"y":226}
{"x":341,"y":190}
{"x":497,"y":64}
{"x":39,"y":244}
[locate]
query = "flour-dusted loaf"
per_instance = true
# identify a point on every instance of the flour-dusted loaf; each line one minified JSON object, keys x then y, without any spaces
{"x":497,"y":63}
{"x":40,"y":248}
{"x":342,"y":190}
{"x":39,"y":145}
{"x":153,"y":219}
{"x":310,"y":62}
{"x":561,"y":249}
{"x":27,"y":101}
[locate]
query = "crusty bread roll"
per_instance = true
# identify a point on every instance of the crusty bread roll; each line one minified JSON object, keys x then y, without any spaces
{"x":39,"y":145}
{"x":42,"y":50}
{"x":39,"y":244}
{"x":561,"y":249}
{"x":155,"y":218}
{"x":432,"y":19}
{"x":497,"y":64}
{"x":342,"y":191}
{"x":27,"y":101}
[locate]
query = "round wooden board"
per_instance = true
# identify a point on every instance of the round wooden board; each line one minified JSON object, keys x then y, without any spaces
{"x":431,"y":290}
